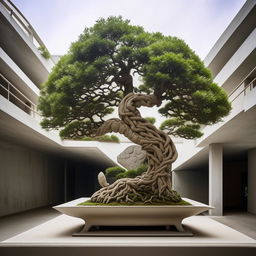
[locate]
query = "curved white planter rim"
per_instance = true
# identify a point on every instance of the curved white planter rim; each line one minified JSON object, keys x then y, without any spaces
{"x":132,"y":215}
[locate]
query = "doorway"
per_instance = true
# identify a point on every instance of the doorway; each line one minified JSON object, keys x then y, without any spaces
{"x":81,"y":179}
{"x":235,"y":185}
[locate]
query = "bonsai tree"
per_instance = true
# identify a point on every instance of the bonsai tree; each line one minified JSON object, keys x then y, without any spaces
{"x":99,"y":73}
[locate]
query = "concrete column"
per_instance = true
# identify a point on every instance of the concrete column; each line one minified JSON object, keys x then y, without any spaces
{"x":216,"y":179}
{"x":251,"y":181}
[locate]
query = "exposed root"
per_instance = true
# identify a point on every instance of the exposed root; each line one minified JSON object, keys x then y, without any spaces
{"x":134,"y":190}
{"x":155,"y":184}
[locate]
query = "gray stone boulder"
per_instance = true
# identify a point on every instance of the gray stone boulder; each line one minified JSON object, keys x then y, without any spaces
{"x":132,"y":157}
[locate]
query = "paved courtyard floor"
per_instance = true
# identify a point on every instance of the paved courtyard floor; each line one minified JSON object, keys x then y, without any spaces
{"x":42,"y":229}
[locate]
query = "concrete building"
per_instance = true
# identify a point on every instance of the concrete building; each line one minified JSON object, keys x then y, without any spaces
{"x":37,"y":168}
{"x":220,"y":167}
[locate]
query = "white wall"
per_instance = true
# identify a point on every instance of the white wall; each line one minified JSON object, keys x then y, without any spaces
{"x":235,"y":62}
{"x":192,"y":184}
{"x":252,"y":181}
{"x":28,"y":179}
{"x":18,"y":77}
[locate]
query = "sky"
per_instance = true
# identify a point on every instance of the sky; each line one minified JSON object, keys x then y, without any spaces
{"x":199,"y":22}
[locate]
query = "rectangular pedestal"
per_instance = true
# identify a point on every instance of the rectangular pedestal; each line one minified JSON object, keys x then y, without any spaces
{"x":133,"y":231}
{"x":55,"y":238}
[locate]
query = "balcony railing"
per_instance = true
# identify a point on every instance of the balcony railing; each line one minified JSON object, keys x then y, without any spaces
{"x":23,"y":23}
{"x":14,"y":95}
{"x":238,"y":93}
{"x":243,"y":88}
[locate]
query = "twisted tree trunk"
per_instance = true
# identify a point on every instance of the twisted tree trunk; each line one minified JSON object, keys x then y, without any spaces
{"x":155,"y":184}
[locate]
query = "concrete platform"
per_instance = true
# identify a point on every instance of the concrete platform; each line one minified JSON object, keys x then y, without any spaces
{"x":55,"y":238}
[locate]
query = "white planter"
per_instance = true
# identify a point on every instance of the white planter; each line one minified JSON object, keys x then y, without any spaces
{"x":153,"y":215}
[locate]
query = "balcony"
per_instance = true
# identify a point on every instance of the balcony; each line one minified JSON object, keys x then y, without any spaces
{"x":20,"y":42}
{"x":232,"y":38}
{"x":15,"y":96}
{"x":236,"y":131}
{"x":238,"y":65}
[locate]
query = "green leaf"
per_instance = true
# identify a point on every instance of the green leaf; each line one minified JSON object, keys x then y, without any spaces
{"x":100,"y":68}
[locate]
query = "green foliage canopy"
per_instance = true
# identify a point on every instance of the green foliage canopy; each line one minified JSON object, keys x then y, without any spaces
{"x":99,"y":69}
{"x":152,"y":120}
{"x":103,"y":138}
